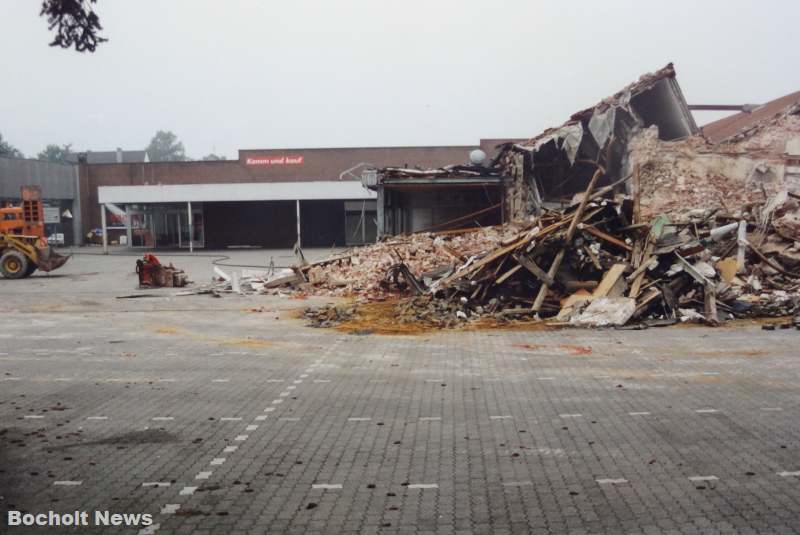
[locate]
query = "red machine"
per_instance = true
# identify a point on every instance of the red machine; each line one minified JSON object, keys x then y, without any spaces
{"x":153,"y":274}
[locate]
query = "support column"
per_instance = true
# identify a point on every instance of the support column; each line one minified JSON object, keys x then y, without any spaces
{"x":103,"y":225}
{"x":298,"y":223}
{"x":128,"y":231}
{"x":380,"y":214}
{"x":77,"y":219}
{"x":191,"y":227}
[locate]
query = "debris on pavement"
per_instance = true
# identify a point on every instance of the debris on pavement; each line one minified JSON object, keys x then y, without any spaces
{"x":153,"y":274}
{"x":328,"y":315}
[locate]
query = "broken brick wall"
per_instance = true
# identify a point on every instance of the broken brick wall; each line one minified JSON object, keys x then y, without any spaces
{"x":677,"y":177}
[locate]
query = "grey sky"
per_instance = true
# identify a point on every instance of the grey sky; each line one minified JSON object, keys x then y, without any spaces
{"x":230,"y":74}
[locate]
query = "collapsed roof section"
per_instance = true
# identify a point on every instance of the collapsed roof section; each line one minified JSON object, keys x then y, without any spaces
{"x":743,"y":124}
{"x":560,"y":161}
{"x":447,"y":175}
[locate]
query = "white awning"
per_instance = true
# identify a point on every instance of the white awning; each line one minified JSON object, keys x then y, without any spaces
{"x":242,"y":191}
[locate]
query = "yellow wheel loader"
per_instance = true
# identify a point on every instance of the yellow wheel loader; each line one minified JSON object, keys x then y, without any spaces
{"x":23,"y":246}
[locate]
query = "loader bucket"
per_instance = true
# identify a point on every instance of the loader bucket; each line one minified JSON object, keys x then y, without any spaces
{"x":49,"y":259}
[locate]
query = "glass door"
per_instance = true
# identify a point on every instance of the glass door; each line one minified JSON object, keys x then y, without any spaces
{"x":197,"y":234}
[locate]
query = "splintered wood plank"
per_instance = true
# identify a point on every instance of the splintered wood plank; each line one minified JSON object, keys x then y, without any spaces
{"x":502,"y":278}
{"x":538,"y":272}
{"x":594,"y":231}
{"x":609,"y":280}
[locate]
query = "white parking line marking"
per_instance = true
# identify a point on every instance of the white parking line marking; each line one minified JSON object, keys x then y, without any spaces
{"x":33,"y":416}
{"x":156,"y":484}
{"x":274,"y":380}
{"x":326,"y":486}
{"x":710,"y":373}
{"x":170,"y":509}
{"x":292,"y":387}
{"x":277,"y":401}
{"x":187,"y":491}
{"x":772,"y":409}
{"x":241,"y":438}
{"x":216,"y":461}
{"x":269,"y":409}
{"x":643,"y":413}
{"x":230,"y":449}
{"x":166,"y":380}
{"x":163,"y":418}
{"x":706,"y":411}
{"x":284,"y":394}
{"x":619,"y":481}
{"x":220,"y":380}
{"x":518,"y":483}
{"x":303,"y":375}
{"x":230,"y":419}
{"x":203,"y":475}
{"x":261,"y":417}
{"x":434,"y":380}
{"x":97,"y":417}
{"x":789,"y":474}
{"x":703,"y":478}
{"x":430,"y":418}
{"x":423,"y":486}
{"x":67,"y":483}
{"x":503,"y":417}
{"x":576,"y":415}
{"x":546,"y":378}
{"x":298,"y":381}
{"x":252,"y":427}
{"x":322,"y":380}
{"x":359,"y":419}
{"x":149,"y":530}
{"x":289,"y":419}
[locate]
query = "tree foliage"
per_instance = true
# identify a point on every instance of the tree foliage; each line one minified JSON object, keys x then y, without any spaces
{"x":8,"y":150}
{"x":213,"y":157}
{"x":75,"y":22}
{"x":56,"y":153}
{"x":165,"y":147}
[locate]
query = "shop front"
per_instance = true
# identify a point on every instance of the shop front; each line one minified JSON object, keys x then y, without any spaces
{"x":273,"y":215}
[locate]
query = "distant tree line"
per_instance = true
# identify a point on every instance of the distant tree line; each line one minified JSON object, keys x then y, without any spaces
{"x":163,"y":147}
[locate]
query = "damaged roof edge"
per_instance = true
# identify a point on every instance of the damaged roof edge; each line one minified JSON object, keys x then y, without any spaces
{"x":684,"y":106}
{"x":623,"y":99}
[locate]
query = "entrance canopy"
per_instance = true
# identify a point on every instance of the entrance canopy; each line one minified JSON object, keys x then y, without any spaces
{"x":242,"y":191}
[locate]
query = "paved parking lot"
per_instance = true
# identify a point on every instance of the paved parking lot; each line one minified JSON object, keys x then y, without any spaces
{"x":229,"y":416}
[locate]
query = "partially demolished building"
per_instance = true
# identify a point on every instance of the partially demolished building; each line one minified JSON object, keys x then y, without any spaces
{"x":628,"y":212}
{"x":560,"y":162}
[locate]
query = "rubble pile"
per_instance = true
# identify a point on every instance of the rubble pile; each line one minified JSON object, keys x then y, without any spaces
{"x":592,"y":264}
{"x":363,"y":271}
{"x":679,"y":176}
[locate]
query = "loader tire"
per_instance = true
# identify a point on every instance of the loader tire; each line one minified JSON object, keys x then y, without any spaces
{"x":14,"y":265}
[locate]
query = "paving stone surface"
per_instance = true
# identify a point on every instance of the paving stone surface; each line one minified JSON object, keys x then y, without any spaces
{"x":216,"y":417}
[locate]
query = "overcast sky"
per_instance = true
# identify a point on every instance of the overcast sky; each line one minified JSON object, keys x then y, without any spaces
{"x":230,"y":74}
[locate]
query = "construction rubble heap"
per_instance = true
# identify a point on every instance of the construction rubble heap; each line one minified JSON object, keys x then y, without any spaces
{"x":590,"y":264}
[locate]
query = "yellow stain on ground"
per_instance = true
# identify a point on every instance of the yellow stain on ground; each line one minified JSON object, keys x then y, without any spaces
{"x":251,"y":343}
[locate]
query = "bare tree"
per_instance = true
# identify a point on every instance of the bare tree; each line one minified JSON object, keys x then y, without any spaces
{"x":75,"y":22}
